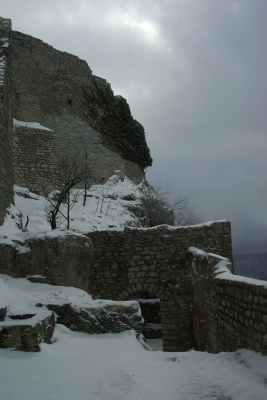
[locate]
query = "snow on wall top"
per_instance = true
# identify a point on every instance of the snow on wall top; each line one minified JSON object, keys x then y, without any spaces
{"x":32,"y":125}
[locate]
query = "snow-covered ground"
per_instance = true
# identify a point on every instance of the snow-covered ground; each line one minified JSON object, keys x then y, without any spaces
{"x":107,"y":207}
{"x":111,"y":366}
{"x":117,"y":367}
{"x":111,"y":206}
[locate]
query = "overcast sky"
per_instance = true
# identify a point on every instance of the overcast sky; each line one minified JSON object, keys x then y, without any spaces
{"x":195,"y":75}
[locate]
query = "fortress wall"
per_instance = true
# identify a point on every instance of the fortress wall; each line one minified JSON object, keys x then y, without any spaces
{"x":36,"y":152}
{"x":46,"y":80}
{"x":229,"y":312}
{"x":6,"y":136}
{"x":137,"y":262}
{"x":35,"y":158}
{"x":71,"y":131}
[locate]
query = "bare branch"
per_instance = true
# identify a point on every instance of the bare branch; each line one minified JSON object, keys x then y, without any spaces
{"x":74,"y":169}
{"x":159,"y":210}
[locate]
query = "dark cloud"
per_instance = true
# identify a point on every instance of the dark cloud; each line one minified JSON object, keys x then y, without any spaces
{"x":194,"y":74}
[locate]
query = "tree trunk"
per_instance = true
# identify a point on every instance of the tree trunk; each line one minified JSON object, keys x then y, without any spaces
{"x":85,"y":194}
{"x":68,"y":210}
{"x":53,"y":220}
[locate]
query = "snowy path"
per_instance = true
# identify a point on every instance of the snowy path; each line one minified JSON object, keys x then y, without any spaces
{"x":116,"y":367}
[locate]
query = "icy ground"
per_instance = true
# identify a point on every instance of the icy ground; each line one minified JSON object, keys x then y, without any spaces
{"x":116,"y":366}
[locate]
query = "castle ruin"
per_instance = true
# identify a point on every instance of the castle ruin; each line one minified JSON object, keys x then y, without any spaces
{"x":50,"y":99}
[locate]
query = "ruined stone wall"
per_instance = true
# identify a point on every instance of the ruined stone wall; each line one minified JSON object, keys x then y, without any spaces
{"x":48,"y":88}
{"x":62,"y":260}
{"x":242,"y":315}
{"x":6,"y":137}
{"x":228,"y":311}
{"x":35,"y":158}
{"x":45,"y":80}
{"x":135,"y":261}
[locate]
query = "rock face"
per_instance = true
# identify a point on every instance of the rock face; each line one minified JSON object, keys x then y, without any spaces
{"x":27,"y":336}
{"x":63,"y":260}
{"x":111,"y":318}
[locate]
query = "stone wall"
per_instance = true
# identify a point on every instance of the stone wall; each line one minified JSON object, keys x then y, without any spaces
{"x":62,"y":260}
{"x":242,"y":314}
{"x":45,"y":80}
{"x":6,"y":137}
{"x":151,"y":262}
{"x":35,"y":158}
{"x":48,"y":88}
{"x":134,"y":263}
{"x":228,"y":311}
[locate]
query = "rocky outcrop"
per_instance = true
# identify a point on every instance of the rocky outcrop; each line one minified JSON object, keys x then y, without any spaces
{"x":26,"y":332}
{"x":112,"y":317}
{"x":111,"y":116}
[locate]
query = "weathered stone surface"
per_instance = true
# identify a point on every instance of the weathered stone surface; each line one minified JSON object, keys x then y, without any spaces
{"x":114,"y":318}
{"x":6,"y":126}
{"x":61,"y":260}
{"x":27,"y":337}
{"x":224,"y":311}
{"x":58,"y":102}
{"x":151,"y":261}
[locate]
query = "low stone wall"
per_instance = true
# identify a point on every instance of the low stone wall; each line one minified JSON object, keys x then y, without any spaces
{"x":134,"y":263}
{"x":6,"y":134}
{"x":242,"y":314}
{"x":133,"y":260}
{"x":228,"y":311}
{"x":144,"y":263}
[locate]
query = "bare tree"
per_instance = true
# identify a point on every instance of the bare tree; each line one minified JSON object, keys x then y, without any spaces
{"x":86,"y":161}
{"x":160,"y":210}
{"x":73,"y":170}
{"x":156,"y":206}
{"x":184,"y":213}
